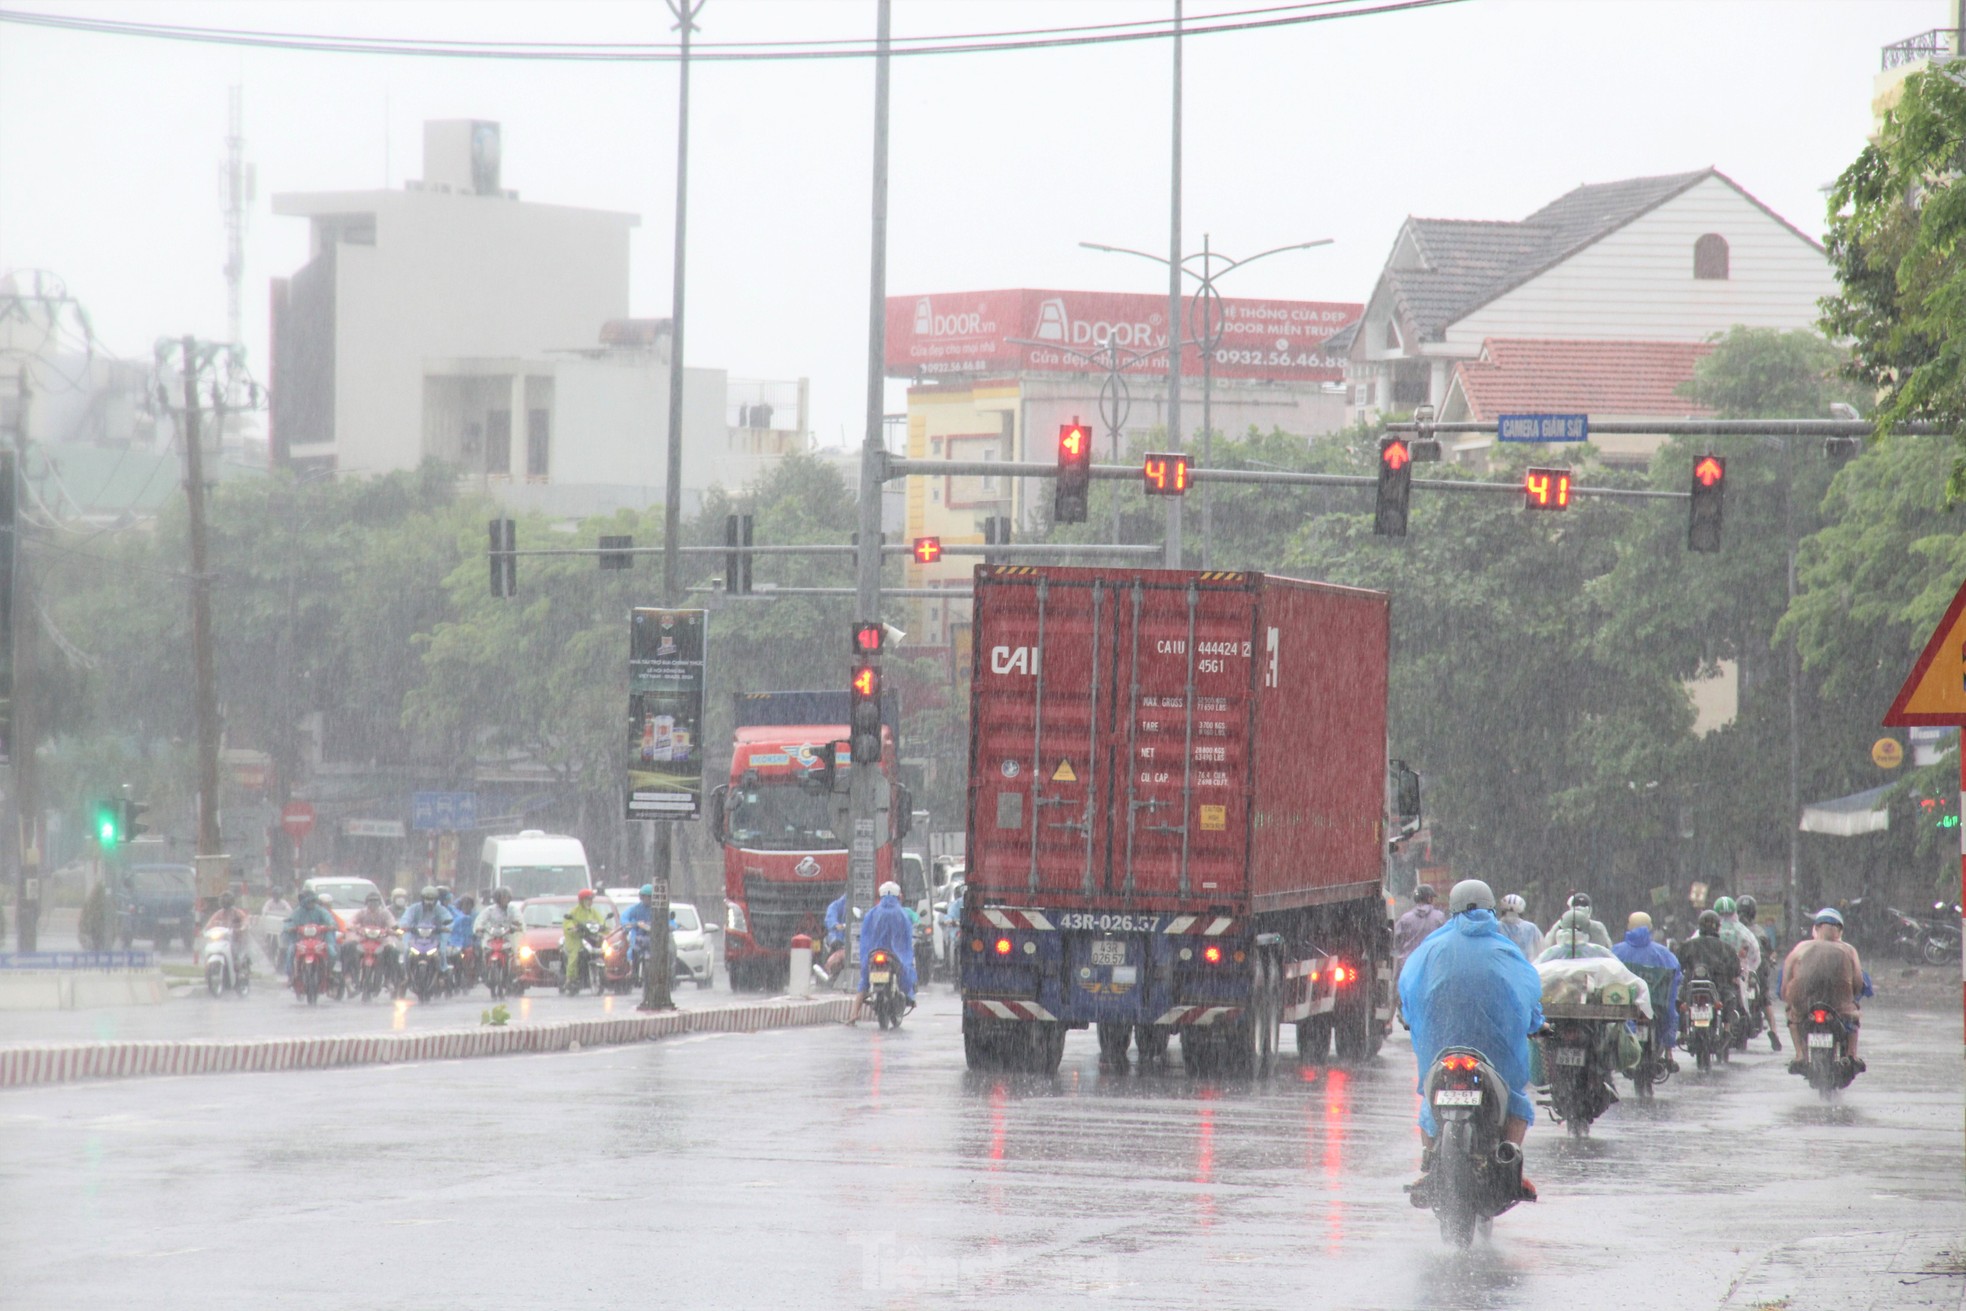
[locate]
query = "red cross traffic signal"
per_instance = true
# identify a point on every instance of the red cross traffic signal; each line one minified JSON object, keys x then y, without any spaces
{"x":1074,"y":487}
{"x":1165,"y":474}
{"x":1546,"y":489}
{"x":928,"y":550}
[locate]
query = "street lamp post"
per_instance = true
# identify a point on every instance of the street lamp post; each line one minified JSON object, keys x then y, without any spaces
{"x":1206,"y":334}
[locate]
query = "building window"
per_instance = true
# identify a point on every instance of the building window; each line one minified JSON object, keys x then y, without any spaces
{"x":538,"y":429}
{"x":1710,"y":258}
{"x":498,"y":442}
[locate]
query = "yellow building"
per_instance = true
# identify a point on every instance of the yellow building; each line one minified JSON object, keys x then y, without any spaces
{"x":976,"y":421}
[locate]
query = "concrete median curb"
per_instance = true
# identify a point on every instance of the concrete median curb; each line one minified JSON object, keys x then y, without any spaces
{"x":68,"y":1062}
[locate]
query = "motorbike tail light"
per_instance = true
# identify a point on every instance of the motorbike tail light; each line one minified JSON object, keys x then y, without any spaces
{"x":1212,"y":954}
{"x":1003,"y":946}
{"x":1459,"y":1064}
{"x":1820,"y":1017}
{"x":880,"y":958}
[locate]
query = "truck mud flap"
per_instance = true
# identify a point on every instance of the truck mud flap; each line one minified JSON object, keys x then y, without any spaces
{"x":1009,"y":1010}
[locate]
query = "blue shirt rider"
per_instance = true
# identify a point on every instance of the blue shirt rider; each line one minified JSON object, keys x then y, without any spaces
{"x":428,"y":913}
{"x":1469,"y":985}
{"x":464,"y":923}
{"x":888,"y":927}
{"x":836,"y":922}
{"x":642,"y":915}
{"x":311,"y":911}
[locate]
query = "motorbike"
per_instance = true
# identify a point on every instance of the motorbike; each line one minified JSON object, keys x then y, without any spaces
{"x":590,"y":972}
{"x":465,"y":968}
{"x":371,"y":962}
{"x":1702,"y":1021}
{"x":925,"y":950}
{"x":1473,"y":1174}
{"x":423,"y":963}
{"x":619,"y":971}
{"x":1754,"y":1021}
{"x":1826,"y":1050}
{"x":1579,"y":1079}
{"x":884,"y":989}
{"x":1653,"y":1068}
{"x":1939,"y":935}
{"x":226,"y":965}
{"x":498,"y":964}
{"x":313,"y":968}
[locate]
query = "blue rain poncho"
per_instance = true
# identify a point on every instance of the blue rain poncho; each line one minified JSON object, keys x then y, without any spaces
{"x":1660,"y":970}
{"x":1469,"y":985}
{"x":887,"y":926}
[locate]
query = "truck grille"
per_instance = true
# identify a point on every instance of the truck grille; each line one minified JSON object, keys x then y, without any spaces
{"x":779,"y":910}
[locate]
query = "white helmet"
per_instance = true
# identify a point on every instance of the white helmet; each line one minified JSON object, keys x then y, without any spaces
{"x":890,"y":889}
{"x":1470,"y":894}
{"x":1513,"y":904}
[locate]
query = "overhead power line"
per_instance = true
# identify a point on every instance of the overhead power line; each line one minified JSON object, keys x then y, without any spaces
{"x":1243,"y":20}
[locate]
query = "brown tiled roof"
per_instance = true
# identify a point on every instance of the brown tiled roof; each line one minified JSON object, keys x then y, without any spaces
{"x":1603,"y":378}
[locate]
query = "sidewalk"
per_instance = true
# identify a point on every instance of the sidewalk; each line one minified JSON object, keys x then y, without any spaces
{"x":1898,"y":1271}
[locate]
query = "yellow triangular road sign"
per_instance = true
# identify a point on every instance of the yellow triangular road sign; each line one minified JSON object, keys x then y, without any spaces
{"x":1935,"y":694}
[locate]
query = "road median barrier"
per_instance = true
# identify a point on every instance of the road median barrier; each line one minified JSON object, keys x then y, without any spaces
{"x":79,"y":980}
{"x":68,"y":1062}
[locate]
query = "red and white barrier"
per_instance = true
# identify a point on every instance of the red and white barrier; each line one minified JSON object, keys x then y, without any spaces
{"x":65,"y":1063}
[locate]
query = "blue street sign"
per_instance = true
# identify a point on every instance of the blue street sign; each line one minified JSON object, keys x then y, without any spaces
{"x":1543,"y":428}
{"x":443,"y":812}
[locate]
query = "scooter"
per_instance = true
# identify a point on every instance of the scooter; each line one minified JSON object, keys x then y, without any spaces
{"x":313,"y":970}
{"x":1702,"y":1021}
{"x":498,"y":964}
{"x":1826,"y":1050}
{"x":1653,"y":1068}
{"x":423,"y":963}
{"x":1473,"y":1173}
{"x":1580,"y":1084}
{"x":1750,"y":1024}
{"x":371,"y":969}
{"x":225,"y":966}
{"x":590,"y":973}
{"x":884,"y":989}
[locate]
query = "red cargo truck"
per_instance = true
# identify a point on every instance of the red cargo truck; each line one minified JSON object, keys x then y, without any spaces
{"x":1179,"y":801}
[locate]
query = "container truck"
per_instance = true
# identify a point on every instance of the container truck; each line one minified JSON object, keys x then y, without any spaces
{"x":1180,"y":809}
{"x":780,"y":821}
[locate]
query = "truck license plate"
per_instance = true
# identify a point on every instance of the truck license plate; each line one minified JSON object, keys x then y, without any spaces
{"x":1570,"y":1056}
{"x":1703,"y":1015}
{"x":1457,"y":1097}
{"x":878,"y":977}
{"x":1108,"y":951}
{"x":1818,"y":1040}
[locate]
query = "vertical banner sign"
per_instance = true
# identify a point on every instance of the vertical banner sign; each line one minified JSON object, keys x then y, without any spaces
{"x":665,"y":714}
{"x":7,"y":554}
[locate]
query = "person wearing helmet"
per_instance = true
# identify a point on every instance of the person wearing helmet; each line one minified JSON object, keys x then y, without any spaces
{"x":309,"y":911}
{"x":1570,"y":938}
{"x":1650,"y":960}
{"x":426,"y":914}
{"x":373,"y":915}
{"x":1469,"y":985}
{"x":1824,"y":970}
{"x":463,"y":936}
{"x":499,"y":918}
{"x":1412,"y":928}
{"x":1741,"y":939}
{"x":229,"y":916}
{"x":1706,"y":956}
{"x":887,"y":927}
{"x":399,"y":901}
{"x":639,"y":920}
{"x":1599,"y":934}
{"x":583,"y":911}
{"x":1520,"y":928}
{"x":1764,"y":940}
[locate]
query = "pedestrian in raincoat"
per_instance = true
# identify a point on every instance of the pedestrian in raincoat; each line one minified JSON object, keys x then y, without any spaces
{"x":1469,"y":985}
{"x":887,"y":926}
{"x":1570,"y":938}
{"x":1659,"y":968}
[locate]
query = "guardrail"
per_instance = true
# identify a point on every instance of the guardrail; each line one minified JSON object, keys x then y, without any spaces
{"x":78,"y":960}
{"x":1938,"y":45}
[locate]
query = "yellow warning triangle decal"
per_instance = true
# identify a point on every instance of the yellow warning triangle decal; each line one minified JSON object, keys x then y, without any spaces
{"x":1064,"y":773}
{"x":1935,"y":693}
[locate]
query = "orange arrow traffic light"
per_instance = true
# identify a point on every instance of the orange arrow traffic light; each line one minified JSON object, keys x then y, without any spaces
{"x":1395,"y":454}
{"x":1709,"y":489}
{"x":1708,"y":471}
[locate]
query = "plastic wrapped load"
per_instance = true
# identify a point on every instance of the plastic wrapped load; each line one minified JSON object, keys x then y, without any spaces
{"x":1597,"y":981}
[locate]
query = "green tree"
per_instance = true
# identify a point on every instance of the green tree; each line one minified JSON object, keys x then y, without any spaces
{"x":1897,"y":242}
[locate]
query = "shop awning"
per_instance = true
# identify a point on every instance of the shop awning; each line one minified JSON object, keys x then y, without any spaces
{"x":1849,"y":817}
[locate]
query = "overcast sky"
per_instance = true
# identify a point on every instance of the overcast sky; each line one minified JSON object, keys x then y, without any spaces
{"x":111,"y":147}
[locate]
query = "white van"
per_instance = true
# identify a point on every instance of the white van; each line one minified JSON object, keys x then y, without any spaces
{"x":534,"y":864}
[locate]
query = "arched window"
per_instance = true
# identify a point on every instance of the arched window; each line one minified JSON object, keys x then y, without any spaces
{"x":1710,"y":258}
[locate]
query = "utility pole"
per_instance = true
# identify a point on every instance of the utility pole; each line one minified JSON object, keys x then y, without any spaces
{"x":204,"y":690}
{"x":1794,"y":910}
{"x":25,"y":731}
{"x":1172,"y":558}
{"x":656,"y":974}
{"x":863,"y":780}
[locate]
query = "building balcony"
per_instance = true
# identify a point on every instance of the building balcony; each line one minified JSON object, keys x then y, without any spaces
{"x":1938,"y":46}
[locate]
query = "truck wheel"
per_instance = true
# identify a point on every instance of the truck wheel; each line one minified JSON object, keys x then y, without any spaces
{"x":1151,"y":1039}
{"x":983,"y":1043}
{"x":1269,"y":1033}
{"x":1314,"y":1039}
{"x":1114,"y":1039}
{"x":1047,"y":1048}
{"x":1198,"y":1050}
{"x":1352,"y":1023}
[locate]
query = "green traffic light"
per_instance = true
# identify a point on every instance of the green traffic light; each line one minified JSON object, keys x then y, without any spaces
{"x":106,"y":827}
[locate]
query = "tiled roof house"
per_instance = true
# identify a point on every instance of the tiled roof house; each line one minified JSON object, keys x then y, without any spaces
{"x":1631,"y":381}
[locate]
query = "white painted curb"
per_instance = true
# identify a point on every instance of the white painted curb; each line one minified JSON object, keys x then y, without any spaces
{"x":67,"y":1062}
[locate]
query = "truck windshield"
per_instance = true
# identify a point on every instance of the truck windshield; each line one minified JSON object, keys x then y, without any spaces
{"x":542,"y":880}
{"x":781,"y":817}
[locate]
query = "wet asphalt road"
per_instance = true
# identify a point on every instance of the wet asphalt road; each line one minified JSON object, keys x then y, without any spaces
{"x":844,"y":1167}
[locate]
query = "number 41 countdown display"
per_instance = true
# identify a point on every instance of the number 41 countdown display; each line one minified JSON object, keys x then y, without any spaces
{"x":665,"y":714}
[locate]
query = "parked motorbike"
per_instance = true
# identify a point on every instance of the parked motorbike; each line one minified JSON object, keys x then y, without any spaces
{"x":227,"y":963}
{"x":590,"y":973}
{"x":498,"y":964}
{"x":1578,"y":1074}
{"x":1473,"y":1174}
{"x":371,"y":962}
{"x":313,"y":968}
{"x":884,"y":989}
{"x":423,"y":963}
{"x":1826,"y":1050}
{"x":1702,"y":1021}
{"x":1939,"y":935}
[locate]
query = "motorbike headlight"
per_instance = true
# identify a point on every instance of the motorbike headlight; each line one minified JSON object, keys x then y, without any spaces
{"x":215,"y":934}
{"x":525,"y":953}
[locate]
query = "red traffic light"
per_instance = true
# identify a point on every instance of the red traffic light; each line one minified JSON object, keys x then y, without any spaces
{"x":866,"y":683}
{"x":1165,"y":474}
{"x":1708,"y":471}
{"x":1395,"y":455}
{"x":1074,"y":443}
{"x":928,"y":550}
{"x":1546,"y":489}
{"x":867,"y":639}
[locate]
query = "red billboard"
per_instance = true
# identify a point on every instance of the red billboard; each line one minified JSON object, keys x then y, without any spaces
{"x":1035,"y":331}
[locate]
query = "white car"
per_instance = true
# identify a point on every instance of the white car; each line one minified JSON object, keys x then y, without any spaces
{"x":689,"y":939}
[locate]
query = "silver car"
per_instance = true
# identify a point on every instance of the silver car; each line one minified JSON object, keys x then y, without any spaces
{"x":689,"y":940}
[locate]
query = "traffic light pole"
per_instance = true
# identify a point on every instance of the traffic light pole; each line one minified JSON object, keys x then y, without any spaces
{"x":204,"y":689}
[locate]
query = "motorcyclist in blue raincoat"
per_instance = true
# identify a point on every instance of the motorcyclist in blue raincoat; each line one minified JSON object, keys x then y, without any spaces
{"x":887,"y":926}
{"x":1659,"y":968}
{"x":1469,"y":985}
{"x":641,"y":917}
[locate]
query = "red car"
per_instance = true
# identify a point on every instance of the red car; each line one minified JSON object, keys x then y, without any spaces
{"x":540,"y":945}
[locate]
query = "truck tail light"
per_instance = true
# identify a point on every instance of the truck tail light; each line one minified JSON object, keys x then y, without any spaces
{"x":1339,"y":974}
{"x":1212,"y":954}
{"x":1003,"y":946}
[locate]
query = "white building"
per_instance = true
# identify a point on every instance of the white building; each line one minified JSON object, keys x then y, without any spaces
{"x":451,"y":320}
{"x":1676,"y":258}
